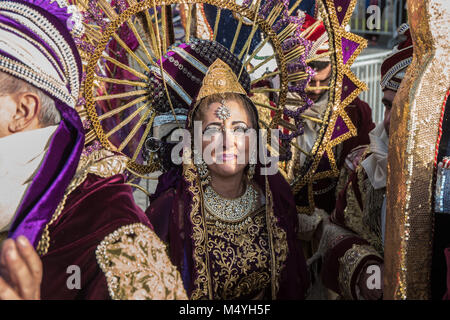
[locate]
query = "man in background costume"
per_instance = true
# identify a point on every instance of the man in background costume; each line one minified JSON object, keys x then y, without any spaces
{"x":77,"y":212}
{"x":358,"y":111}
{"x":354,"y":239}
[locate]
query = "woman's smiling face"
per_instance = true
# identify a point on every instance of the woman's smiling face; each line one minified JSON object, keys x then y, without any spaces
{"x":225,"y":143}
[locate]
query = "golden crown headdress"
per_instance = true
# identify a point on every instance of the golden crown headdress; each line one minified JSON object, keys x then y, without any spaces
{"x":219,"y":79}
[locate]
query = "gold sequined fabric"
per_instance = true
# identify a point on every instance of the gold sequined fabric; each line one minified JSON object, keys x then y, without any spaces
{"x":414,"y":130}
{"x":136,"y":266}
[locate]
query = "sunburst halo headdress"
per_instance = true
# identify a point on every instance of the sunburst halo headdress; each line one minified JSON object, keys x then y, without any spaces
{"x":131,"y":57}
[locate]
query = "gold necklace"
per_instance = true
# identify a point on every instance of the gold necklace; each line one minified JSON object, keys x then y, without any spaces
{"x":231,"y":210}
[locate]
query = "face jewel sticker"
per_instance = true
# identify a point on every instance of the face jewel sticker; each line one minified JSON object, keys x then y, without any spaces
{"x":223,"y":113}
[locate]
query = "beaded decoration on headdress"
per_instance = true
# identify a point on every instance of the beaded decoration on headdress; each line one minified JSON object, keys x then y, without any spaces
{"x":193,"y":71}
{"x":35,"y":45}
{"x":395,"y":64}
{"x":314,"y":30}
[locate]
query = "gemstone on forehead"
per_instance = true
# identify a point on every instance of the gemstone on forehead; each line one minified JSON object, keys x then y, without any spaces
{"x":223,"y":113}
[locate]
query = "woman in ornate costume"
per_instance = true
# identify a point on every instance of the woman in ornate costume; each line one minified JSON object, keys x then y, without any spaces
{"x":137,"y":80}
{"x":249,"y":252}
{"x":231,"y":230}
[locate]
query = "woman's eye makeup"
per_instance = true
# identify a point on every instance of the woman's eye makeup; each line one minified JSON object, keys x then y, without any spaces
{"x":215,"y":129}
{"x":240,"y":129}
{"x":209,"y":130}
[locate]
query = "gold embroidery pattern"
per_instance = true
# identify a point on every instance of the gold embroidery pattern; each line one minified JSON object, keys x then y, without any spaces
{"x":260,"y":99}
{"x":373,"y":203}
{"x":103,"y":163}
{"x":361,"y":221}
{"x":344,"y":175}
{"x":202,"y":285}
{"x":219,"y":79}
{"x":240,"y":258}
{"x":348,"y":264}
{"x":137,"y":267}
{"x":332,"y":235}
{"x":202,"y":282}
{"x":277,"y":241}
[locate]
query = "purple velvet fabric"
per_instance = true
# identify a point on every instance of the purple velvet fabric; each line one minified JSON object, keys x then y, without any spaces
{"x":52,"y":179}
{"x":360,"y":114}
{"x":256,"y":242}
{"x":189,"y":86}
{"x":191,"y":51}
{"x":170,"y":211}
{"x":324,"y":163}
{"x":52,"y":8}
{"x":57,"y":17}
{"x":95,"y":209}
